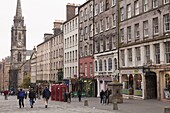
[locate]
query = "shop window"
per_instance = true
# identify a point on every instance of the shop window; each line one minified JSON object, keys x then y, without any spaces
{"x":167,"y":81}
{"x":138,"y":81}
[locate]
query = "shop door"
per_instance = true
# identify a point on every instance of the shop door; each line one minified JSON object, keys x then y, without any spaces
{"x":151,"y":86}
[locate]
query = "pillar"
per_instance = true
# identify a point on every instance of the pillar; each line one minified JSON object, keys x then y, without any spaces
{"x":162,"y":53}
{"x":98,"y":87}
{"x":152,"y":53}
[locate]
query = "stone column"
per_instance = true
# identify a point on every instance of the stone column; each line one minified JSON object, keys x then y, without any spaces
{"x":143,"y":86}
{"x":126,"y":58}
{"x":134,"y":84}
{"x":142,"y":52}
{"x":98,"y":87}
{"x":133,"y":57}
{"x":152,"y":53}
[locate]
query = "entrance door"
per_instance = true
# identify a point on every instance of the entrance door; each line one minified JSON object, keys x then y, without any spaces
{"x":151,"y":85}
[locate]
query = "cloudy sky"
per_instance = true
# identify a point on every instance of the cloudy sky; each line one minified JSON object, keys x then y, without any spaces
{"x":39,"y":16}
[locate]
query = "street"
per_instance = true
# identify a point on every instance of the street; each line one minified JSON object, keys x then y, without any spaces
{"x":129,"y":106}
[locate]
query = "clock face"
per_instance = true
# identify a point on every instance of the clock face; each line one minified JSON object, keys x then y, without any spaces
{"x":20,"y":43}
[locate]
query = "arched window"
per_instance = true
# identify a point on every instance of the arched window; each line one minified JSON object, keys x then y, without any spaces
{"x":96,"y":66}
{"x":100,"y":65}
{"x":105,"y":65}
{"x":19,"y":57}
{"x":109,"y":64}
{"x":115,"y":62}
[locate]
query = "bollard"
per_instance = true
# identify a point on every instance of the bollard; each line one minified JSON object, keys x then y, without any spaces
{"x":167,"y":110}
{"x":115,"y":106}
{"x":85,"y":103}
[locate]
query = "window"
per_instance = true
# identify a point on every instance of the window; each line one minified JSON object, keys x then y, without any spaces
{"x":121,"y":14}
{"x":73,"y":56}
{"x":96,"y":9}
{"x":76,"y":39}
{"x":105,"y":65}
{"x":166,"y":22}
{"x":76,"y":23}
{"x":101,"y":6}
{"x":128,"y":10}
{"x":96,"y":28}
{"x":167,"y":52}
{"x":85,"y":13}
{"x":157,"y":53}
{"x":76,"y":55}
{"x":107,"y":4}
{"x":154,"y":3}
{"x":155,"y":25}
{"x":81,"y":51}
{"x":122,"y":57}
{"x":96,"y":47}
{"x":101,"y":45}
{"x":113,"y":2}
{"x":115,"y":61}
{"x":107,"y":43}
{"x":101,"y":25}
{"x":136,"y":7}
{"x":96,"y":66}
{"x":19,"y":58}
{"x":129,"y":33}
{"x":122,"y":34}
{"x":85,"y":69}
{"x":145,"y":5}
{"x":100,"y":65}
{"x":130,"y":55}
{"x":109,"y":64}
{"x":113,"y":20}
{"x":85,"y":50}
{"x":91,"y":69}
{"x":138,"y":54}
{"x":90,"y":49}
{"x":166,"y":1}
{"x":137,"y":35}
{"x":107,"y":23}
{"x":114,"y":42}
{"x":90,"y":30}
{"x":91,"y":10}
{"x":147,"y":49}
{"x":145,"y":28}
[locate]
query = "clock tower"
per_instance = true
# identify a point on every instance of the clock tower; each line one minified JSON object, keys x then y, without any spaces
{"x":18,"y":46}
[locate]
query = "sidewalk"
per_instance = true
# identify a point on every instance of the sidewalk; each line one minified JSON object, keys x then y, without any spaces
{"x":128,"y":106}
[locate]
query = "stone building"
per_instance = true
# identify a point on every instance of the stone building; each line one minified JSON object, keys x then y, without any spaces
{"x":86,"y":73}
{"x":144,"y":48}
{"x":105,"y":42}
{"x":4,"y":73}
{"x":50,"y":55}
{"x":18,"y":47}
{"x":70,"y":33}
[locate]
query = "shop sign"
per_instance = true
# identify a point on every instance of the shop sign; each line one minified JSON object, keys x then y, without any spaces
{"x":136,"y":71}
{"x":146,"y":69}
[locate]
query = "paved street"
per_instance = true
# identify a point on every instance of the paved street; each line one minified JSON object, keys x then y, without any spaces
{"x":129,"y":106}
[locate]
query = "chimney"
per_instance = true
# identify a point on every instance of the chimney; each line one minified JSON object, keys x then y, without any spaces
{"x":70,"y":11}
{"x":57,"y":26}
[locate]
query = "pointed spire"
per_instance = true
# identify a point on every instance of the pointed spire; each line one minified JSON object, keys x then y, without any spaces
{"x":18,"y":10}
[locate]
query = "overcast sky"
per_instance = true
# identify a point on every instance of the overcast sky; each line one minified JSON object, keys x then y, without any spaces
{"x":39,"y":16}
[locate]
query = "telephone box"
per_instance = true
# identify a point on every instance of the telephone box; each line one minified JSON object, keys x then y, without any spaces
{"x":53,"y":92}
{"x":60,"y":91}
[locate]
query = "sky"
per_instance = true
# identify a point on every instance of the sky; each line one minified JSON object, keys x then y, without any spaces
{"x":39,"y":16}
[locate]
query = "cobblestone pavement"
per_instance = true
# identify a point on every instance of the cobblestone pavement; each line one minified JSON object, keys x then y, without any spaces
{"x":128,"y":106}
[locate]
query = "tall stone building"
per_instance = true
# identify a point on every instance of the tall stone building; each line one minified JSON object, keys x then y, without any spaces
{"x":18,"y":46}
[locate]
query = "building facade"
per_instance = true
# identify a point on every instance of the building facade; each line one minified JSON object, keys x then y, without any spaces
{"x":86,"y":58}
{"x":50,"y":55}
{"x":105,"y":42}
{"x":144,"y":48}
{"x":71,"y":70}
{"x":18,"y":47}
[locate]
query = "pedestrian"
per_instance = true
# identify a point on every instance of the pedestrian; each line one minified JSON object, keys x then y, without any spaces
{"x":20,"y":96}
{"x":6,"y":94}
{"x":32,"y":97}
{"x":26,"y":94}
{"x":46,"y":96}
{"x":79,"y":94}
{"x":101,"y":96}
{"x":107,"y":96}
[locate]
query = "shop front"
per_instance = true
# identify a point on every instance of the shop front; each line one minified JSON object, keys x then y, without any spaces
{"x":132,"y":81}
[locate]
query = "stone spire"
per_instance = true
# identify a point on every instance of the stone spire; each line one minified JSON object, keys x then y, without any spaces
{"x":18,"y":10}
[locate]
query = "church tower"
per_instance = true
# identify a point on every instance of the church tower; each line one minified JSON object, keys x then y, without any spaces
{"x":18,"y":46}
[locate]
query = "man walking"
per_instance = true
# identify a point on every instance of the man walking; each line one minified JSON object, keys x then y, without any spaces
{"x":46,"y":96}
{"x":20,"y":96}
{"x":79,"y":94}
{"x":32,"y":97}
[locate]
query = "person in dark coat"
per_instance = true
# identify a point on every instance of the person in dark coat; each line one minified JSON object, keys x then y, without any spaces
{"x":46,"y":96}
{"x":20,"y":96}
{"x":79,"y":94}
{"x":32,"y":97}
{"x":101,"y":96}
{"x":6,"y":94}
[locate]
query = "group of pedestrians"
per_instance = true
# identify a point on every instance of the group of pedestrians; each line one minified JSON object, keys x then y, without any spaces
{"x":32,"y":97}
{"x":104,"y":96}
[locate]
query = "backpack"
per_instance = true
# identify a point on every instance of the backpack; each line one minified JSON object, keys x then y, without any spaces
{"x":22,"y":94}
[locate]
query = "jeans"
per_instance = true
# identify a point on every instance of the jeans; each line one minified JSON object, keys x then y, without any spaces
{"x":31,"y":102}
{"x":21,"y":101}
